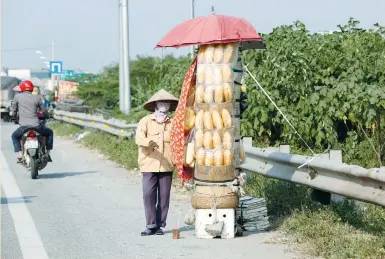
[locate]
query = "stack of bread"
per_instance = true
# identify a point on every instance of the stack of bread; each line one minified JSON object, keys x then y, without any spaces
{"x":213,"y":144}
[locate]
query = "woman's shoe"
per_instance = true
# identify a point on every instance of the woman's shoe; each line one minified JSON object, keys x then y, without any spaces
{"x":147,"y":232}
{"x":159,"y":232}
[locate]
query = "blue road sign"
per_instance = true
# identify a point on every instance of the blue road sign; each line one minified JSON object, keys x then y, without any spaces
{"x":56,"y":67}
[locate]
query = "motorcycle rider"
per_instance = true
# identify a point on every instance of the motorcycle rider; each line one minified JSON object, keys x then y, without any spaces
{"x":28,"y":105}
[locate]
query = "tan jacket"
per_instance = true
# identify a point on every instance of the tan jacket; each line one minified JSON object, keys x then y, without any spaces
{"x":160,"y":159}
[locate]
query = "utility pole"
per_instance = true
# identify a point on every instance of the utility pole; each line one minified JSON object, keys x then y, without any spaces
{"x":192,"y":17}
{"x":124,"y":66}
{"x":53,"y":59}
{"x":1,"y":38}
{"x":56,"y":90}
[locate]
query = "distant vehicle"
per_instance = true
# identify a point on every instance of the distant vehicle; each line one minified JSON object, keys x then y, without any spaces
{"x":8,"y":84}
{"x":7,"y":94}
{"x":21,"y":74}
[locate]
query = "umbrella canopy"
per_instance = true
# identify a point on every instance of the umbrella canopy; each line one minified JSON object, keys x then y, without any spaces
{"x":210,"y":30}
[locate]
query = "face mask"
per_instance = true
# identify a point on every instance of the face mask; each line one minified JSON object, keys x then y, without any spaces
{"x":161,"y":111}
{"x":163,"y":106}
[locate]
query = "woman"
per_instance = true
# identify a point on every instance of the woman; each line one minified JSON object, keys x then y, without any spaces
{"x":155,"y":160}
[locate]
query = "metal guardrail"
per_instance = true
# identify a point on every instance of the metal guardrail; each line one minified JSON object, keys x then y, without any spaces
{"x":112,"y":126}
{"x":322,"y":173}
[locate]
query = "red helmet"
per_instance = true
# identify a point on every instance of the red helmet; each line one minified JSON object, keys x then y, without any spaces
{"x":26,"y":86}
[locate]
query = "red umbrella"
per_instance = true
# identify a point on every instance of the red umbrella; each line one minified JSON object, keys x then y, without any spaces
{"x":210,"y":30}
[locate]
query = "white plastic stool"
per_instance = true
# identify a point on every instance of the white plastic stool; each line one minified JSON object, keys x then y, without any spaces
{"x":205,"y":217}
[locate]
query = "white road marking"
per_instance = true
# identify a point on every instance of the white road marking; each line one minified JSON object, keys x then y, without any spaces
{"x":30,"y":242}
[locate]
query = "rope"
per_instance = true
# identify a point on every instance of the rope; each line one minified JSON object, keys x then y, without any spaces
{"x":283,"y":115}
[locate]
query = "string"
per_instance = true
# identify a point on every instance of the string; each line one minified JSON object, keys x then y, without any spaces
{"x":279,"y":110}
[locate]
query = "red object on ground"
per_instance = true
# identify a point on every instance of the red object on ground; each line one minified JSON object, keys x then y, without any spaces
{"x":209,"y":30}
{"x":177,"y":129}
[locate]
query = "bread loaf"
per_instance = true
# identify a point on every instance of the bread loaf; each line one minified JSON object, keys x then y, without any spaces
{"x":219,"y":94}
{"x":227,"y":73}
{"x":201,"y":72}
{"x":217,"y":141}
{"x":218,"y":158}
{"x":226,"y":118}
{"x":189,"y":120}
{"x":199,"y":94}
{"x":209,"y":54}
{"x":209,"y":161}
{"x":218,"y":54}
{"x":217,"y":120}
{"x":228,"y":92}
{"x":227,"y":140}
{"x":228,"y":52}
{"x":199,"y":120}
{"x":190,"y":153}
{"x":217,"y":72}
{"x":208,"y":121}
{"x":227,"y":157}
{"x":199,"y":138}
{"x":209,"y":75}
{"x":201,"y":54}
{"x":200,"y":157}
{"x":209,"y":94}
{"x":208,"y":140}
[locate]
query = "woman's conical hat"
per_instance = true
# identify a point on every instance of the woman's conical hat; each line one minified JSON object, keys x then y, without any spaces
{"x":164,"y":96}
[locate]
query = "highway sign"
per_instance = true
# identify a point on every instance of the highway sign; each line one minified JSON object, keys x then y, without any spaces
{"x":69,"y":73}
{"x":56,"y":67}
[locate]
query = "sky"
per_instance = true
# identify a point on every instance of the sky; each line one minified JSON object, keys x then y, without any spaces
{"x":86,"y":32}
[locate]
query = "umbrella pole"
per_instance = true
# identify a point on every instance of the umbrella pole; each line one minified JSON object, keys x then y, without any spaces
{"x":192,"y":17}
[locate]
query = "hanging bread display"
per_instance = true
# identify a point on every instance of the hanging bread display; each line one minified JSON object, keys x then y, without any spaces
{"x":199,"y":120}
{"x":208,"y":121}
{"x":199,"y":94}
{"x":209,"y":54}
{"x":227,"y":73}
{"x":208,"y":140}
{"x":228,"y":52}
{"x":200,"y":157}
{"x":199,"y":138}
{"x":218,"y":54}
{"x":228,"y":92}
{"x":217,"y":120}
{"x":214,"y":111}
{"x":219,"y":94}
{"x":217,"y":140}
{"x":189,"y":121}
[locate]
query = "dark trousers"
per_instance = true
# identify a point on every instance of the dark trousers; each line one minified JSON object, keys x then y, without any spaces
{"x":17,"y":134}
{"x":156,"y":197}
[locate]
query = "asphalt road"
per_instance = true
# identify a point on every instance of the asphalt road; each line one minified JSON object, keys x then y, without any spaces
{"x":84,"y":206}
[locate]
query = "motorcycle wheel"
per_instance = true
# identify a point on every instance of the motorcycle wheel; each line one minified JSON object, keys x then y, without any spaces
{"x":33,"y":166}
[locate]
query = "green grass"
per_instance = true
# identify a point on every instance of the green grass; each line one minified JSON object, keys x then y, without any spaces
{"x":336,"y":231}
{"x":118,"y":149}
{"x":65,"y":129}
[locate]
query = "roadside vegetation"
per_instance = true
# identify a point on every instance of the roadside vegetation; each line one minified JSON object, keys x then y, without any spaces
{"x":330,"y":86}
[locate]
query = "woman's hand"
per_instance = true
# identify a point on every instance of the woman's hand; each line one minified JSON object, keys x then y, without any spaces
{"x":153,"y":145}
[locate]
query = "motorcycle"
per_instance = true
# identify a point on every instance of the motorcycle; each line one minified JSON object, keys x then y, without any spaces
{"x":34,"y":150}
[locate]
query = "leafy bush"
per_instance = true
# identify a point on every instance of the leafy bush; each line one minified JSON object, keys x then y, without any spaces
{"x":330,"y":86}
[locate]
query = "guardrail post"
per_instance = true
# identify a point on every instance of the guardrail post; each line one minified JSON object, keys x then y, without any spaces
{"x":335,"y":155}
{"x":247,"y":141}
{"x":284,"y":149}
